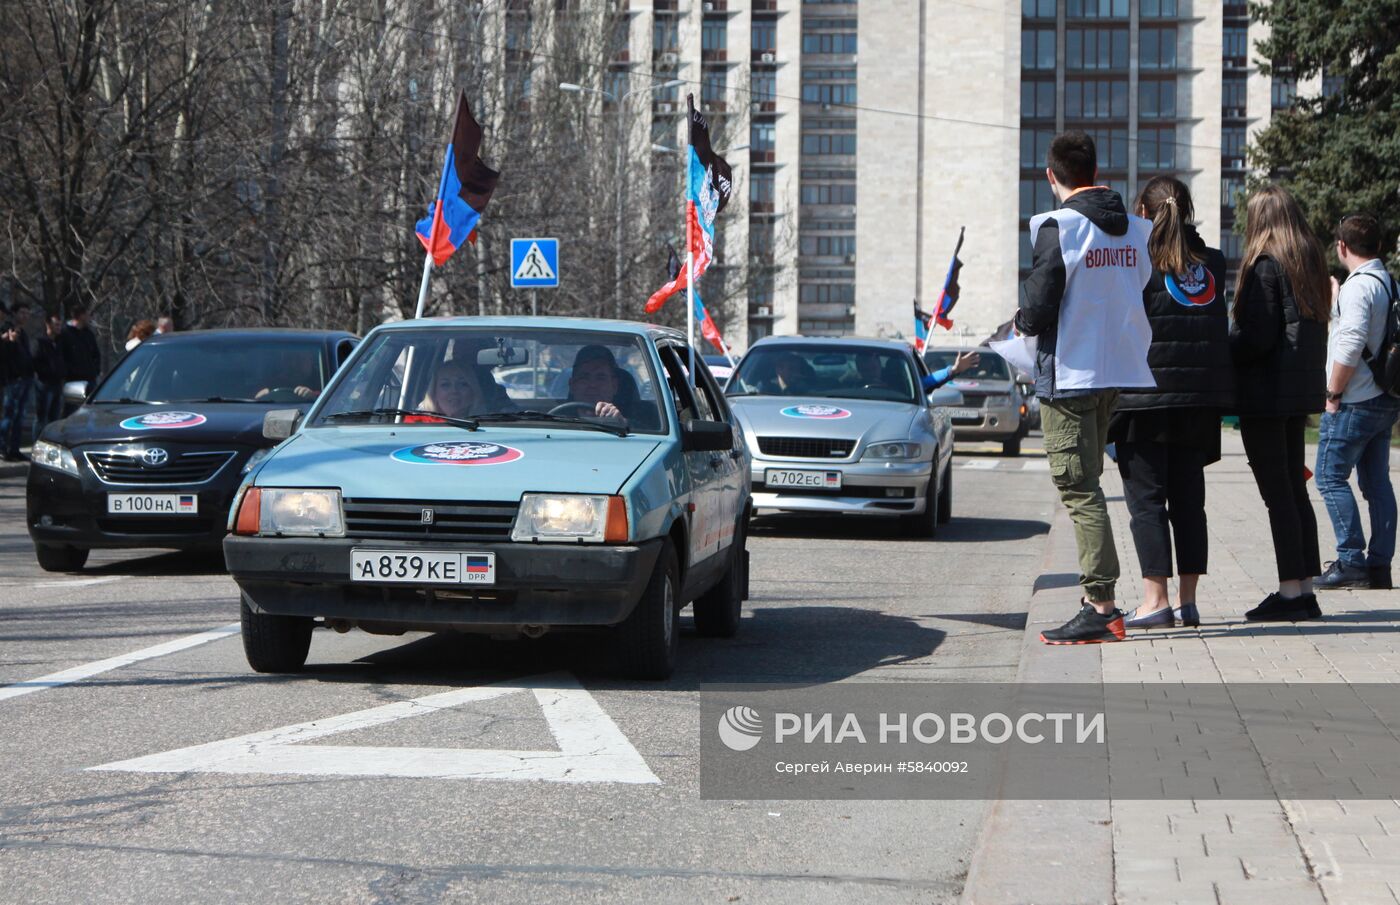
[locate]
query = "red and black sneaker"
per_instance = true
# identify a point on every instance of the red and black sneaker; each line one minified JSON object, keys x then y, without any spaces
{"x":1088,"y":627}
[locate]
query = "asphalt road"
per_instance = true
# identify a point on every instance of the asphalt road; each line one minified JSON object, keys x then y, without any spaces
{"x":832,"y":601}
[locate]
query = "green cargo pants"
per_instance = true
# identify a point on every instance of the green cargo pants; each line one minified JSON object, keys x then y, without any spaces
{"x":1076,"y":430}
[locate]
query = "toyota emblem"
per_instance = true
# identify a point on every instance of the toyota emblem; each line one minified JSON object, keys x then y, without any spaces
{"x":427,"y":517}
{"x":154,"y":456}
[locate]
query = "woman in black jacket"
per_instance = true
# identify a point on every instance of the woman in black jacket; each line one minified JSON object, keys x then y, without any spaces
{"x":1165,"y":437}
{"x":1279,"y":342}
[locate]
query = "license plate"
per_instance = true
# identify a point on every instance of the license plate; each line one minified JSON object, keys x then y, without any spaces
{"x":965,"y":413}
{"x":422,"y":567}
{"x":788,"y":477}
{"x":152,"y":504}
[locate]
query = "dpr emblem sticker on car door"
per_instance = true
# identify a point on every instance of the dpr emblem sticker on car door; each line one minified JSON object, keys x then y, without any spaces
{"x":163,"y":421}
{"x":458,"y":454}
{"x":810,"y":410}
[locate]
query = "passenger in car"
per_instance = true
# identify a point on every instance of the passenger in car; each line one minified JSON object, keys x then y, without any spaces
{"x":455,"y":392}
{"x":791,"y":376}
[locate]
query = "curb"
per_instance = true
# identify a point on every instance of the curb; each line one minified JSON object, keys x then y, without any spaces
{"x":1047,"y":852}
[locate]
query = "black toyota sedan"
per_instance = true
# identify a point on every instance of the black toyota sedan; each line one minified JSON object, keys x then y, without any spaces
{"x":154,"y":455}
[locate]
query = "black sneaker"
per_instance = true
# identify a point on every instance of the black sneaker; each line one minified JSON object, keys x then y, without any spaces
{"x":1380,"y":578}
{"x":1340,"y":576}
{"x":1277,"y":608}
{"x":1089,"y":627}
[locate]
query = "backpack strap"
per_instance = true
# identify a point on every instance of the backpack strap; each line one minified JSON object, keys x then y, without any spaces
{"x":1390,"y":292}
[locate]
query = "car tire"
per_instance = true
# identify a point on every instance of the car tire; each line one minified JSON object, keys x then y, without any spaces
{"x":274,"y":643}
{"x":945,"y":497}
{"x":718,"y":610}
{"x":1011,"y":447}
{"x":925,"y":524}
{"x":646,"y":640}
{"x":60,"y":557}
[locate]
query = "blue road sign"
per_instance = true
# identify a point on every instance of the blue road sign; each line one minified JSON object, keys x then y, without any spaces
{"x":534,"y":263}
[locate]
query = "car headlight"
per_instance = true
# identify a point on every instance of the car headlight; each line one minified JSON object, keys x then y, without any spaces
{"x":253,"y":460}
{"x":576,"y":518}
{"x":303,"y":513}
{"x":891,"y":451}
{"x":51,"y":455}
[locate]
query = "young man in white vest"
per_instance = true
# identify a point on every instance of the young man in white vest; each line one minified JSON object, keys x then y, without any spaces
{"x":1082,"y":304}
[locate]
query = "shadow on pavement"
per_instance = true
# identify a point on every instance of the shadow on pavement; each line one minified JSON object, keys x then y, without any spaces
{"x":1050,"y":581}
{"x":975,"y":530}
{"x":173,"y":563}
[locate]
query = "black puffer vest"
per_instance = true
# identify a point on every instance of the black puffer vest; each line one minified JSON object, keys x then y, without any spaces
{"x":1280,"y":356}
{"x":1190,"y":351}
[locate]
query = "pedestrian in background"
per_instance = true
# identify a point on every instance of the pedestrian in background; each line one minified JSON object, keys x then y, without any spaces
{"x":1082,"y":303}
{"x":141,"y":331}
{"x":82,"y":357}
{"x":1165,"y":437}
{"x":1356,"y":427}
{"x":165,"y":325}
{"x":1278,"y":340}
{"x":20,"y":373}
{"x":48,"y":375}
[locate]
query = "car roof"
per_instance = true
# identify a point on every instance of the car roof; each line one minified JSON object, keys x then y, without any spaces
{"x":796,"y":339}
{"x":600,"y":325}
{"x":274,"y":334}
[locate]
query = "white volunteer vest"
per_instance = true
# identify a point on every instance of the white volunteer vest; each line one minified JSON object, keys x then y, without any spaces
{"x":1103,"y":334}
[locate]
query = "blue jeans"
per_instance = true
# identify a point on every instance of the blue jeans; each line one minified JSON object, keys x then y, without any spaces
{"x":1358,"y":437}
{"x":12,"y":415}
{"x":48,"y":405}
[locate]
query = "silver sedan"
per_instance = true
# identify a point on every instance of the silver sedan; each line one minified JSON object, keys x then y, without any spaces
{"x":844,"y":426}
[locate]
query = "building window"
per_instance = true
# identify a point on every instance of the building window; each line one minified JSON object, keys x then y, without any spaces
{"x":1232,"y":142}
{"x":1038,"y":48}
{"x":835,"y":193}
{"x":836,"y":36}
{"x":1097,"y":9}
{"x":1036,"y":197}
{"x":761,"y":239}
{"x":1037,"y":100}
{"x":1283,"y":92}
{"x":1332,"y":85}
{"x":714,"y":35}
{"x":1035,"y":147}
{"x":1112,"y":147}
{"x":664,"y":36}
{"x":761,"y":136}
{"x":1157,"y":149}
{"x":1230,"y":245}
{"x":1157,"y":99}
{"x":1233,"y":97}
{"x":1159,"y":9}
{"x":1236,"y":45}
{"x":761,"y":190}
{"x":829,"y":144}
{"x":1038,"y":9}
{"x":828,"y":246}
{"x":713,"y":86}
{"x":765,"y":35}
{"x":829,"y":86}
{"x":1096,"y":48}
{"x":1157,"y":48}
{"x":763,"y":86}
{"x":1096,"y":99}
{"x":826,"y":294}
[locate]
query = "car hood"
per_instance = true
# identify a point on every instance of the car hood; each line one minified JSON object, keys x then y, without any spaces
{"x":797,"y":416}
{"x":983,"y":387}
{"x":168,"y":424}
{"x":450,"y":463}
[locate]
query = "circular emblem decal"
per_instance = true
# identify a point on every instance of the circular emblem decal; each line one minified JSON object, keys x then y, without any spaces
{"x":1195,"y":288}
{"x":827,"y":412}
{"x":458,"y":454}
{"x":163,"y":421}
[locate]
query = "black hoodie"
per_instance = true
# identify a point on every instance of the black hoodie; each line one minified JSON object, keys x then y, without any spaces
{"x":1044,"y":288}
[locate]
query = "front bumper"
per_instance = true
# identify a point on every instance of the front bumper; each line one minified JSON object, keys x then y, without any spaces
{"x":65,"y":510}
{"x":867,"y":488}
{"x":999,"y":423}
{"x":536,"y":584}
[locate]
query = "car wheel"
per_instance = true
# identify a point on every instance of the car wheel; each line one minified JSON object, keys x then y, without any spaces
{"x":274,"y":643}
{"x":945,"y":497}
{"x":60,"y":557}
{"x":717,"y":611}
{"x":1011,"y":447}
{"x":646,"y":639}
{"x":925,"y":524}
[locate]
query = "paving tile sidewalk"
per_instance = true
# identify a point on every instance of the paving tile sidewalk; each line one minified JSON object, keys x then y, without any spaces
{"x":1201,"y":851}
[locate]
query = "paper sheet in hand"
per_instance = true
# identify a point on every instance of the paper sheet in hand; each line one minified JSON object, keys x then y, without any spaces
{"x":1019,"y":352}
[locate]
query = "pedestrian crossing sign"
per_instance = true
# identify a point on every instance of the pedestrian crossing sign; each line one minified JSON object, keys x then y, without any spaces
{"x":534,"y":263}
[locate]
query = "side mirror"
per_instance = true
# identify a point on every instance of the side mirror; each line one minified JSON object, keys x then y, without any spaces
{"x":707,"y":436}
{"x":946,"y":396}
{"x":279,"y":424}
{"x":75,"y":392}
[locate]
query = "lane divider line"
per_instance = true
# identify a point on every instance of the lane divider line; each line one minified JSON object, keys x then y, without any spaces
{"x":88,"y":670}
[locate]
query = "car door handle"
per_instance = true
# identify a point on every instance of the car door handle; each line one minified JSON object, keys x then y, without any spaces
{"x":716,"y":461}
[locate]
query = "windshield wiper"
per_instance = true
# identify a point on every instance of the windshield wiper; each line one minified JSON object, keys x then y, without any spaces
{"x":218,"y":399}
{"x":125,"y":400}
{"x":616,"y":429}
{"x":437,"y":417}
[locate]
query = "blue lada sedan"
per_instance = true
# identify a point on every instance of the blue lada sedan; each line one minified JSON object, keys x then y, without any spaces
{"x":418,"y":495}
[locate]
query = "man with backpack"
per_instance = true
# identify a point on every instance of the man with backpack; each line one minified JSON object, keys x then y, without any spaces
{"x":1361,"y":411}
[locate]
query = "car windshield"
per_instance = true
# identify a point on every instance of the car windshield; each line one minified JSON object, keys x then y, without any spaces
{"x":990,"y":367}
{"x":846,"y":372}
{"x":212,"y":368}
{"x":527,"y":376}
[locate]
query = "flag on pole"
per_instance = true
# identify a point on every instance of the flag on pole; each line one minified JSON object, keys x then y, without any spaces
{"x":923,"y":321}
{"x":463,"y":191}
{"x":709,"y":181}
{"x":949,"y":296}
{"x":708,"y":328}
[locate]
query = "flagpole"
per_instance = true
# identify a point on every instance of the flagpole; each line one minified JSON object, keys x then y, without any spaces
{"x":689,"y":238}
{"x":423,"y":288}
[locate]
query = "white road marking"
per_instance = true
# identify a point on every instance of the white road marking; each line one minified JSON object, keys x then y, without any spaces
{"x":1036,"y":465}
{"x":591,"y":747}
{"x":88,"y":670}
{"x":981,"y":464}
{"x":67,"y":583}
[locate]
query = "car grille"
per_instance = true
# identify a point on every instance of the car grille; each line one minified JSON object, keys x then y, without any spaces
{"x":805,"y":447}
{"x":122,"y":467}
{"x":488,"y":521}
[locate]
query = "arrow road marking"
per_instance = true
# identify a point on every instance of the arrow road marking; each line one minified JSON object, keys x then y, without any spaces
{"x":591,"y":747}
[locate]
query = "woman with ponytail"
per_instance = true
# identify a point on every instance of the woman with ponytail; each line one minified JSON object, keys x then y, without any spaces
{"x":1166,"y":436}
{"x":1279,"y":341}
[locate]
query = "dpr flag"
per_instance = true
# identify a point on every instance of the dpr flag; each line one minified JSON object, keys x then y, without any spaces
{"x":708,"y":328}
{"x":949,"y":296}
{"x":463,"y":191}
